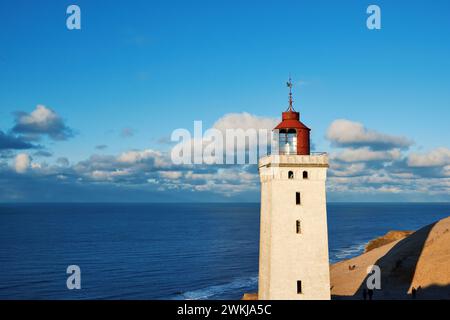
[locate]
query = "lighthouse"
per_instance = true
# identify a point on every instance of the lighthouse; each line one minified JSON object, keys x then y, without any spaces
{"x":293,"y":257}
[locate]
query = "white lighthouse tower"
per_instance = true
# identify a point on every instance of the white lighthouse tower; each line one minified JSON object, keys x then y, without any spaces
{"x":293,"y":261}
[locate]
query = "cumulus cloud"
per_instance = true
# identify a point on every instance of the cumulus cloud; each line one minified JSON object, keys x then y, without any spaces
{"x":257,"y":131}
{"x":22,"y":162}
{"x":42,"y":121}
{"x":109,"y":175}
{"x":346,"y":133}
{"x":136,"y":156}
{"x":365,"y":154}
{"x":435,"y":158}
{"x":36,"y":166}
{"x":170,"y":174}
{"x":154,"y":170}
{"x":355,"y":169}
{"x":244,"y":121}
{"x":371,"y":163}
{"x":8,"y":141}
{"x":338,"y":169}
{"x":241,"y":134}
{"x":147,"y":170}
{"x":134,"y":167}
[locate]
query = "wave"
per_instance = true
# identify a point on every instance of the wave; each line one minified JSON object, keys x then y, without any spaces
{"x":348,"y":252}
{"x":235,"y":288}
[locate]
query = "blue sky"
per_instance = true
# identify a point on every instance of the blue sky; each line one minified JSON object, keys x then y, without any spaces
{"x":137,"y":70}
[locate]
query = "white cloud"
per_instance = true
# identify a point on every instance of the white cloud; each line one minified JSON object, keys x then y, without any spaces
{"x":139,"y":155}
{"x":389,"y":189}
{"x":170,"y":174}
{"x":347,"y":170}
{"x":109,"y":175}
{"x":247,"y":134}
{"x":369,"y":163}
{"x":22,"y":162}
{"x":36,"y":166}
{"x":249,"y":131}
{"x":446,"y":171}
{"x":365,"y":154}
{"x":41,"y":116}
{"x":434,"y":158}
{"x":346,"y":133}
{"x":244,"y":121}
{"x":42,"y":121}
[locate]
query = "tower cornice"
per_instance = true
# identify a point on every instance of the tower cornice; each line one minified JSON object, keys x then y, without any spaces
{"x":313,"y":160}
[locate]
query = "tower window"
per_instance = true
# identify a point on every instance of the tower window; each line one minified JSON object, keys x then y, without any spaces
{"x":297,"y":198}
{"x":288,"y":141}
{"x":290,"y":175}
{"x":305,"y":174}
{"x":299,"y":287}
{"x":298,"y":227}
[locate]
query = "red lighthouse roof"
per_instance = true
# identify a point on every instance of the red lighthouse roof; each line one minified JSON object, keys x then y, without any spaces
{"x":291,"y":120}
{"x":291,"y":126}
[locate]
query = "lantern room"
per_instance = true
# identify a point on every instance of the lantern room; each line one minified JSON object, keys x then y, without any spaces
{"x":293,"y":134}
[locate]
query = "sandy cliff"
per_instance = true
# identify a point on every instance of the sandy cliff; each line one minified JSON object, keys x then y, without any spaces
{"x":389,"y":237}
{"x":421,"y":259}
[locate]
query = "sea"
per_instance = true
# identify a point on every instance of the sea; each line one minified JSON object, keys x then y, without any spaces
{"x":165,"y":251}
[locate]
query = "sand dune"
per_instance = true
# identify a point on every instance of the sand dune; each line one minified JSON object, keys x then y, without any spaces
{"x":389,"y":237}
{"x":422,"y":259}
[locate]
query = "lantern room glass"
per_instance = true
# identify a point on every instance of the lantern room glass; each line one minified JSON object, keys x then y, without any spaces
{"x":288,"y":142}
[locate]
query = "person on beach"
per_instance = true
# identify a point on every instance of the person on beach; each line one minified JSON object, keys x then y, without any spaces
{"x":413,"y":292}
{"x":370,"y":293}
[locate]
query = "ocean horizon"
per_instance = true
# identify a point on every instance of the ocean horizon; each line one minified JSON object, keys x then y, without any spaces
{"x":166,"y":250}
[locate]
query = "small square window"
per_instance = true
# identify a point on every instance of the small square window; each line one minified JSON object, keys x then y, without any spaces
{"x":290,"y":175}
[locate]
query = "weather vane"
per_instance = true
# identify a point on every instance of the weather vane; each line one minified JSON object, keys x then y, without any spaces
{"x":289,"y":84}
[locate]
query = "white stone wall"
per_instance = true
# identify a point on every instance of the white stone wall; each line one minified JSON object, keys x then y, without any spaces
{"x":285,"y":256}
